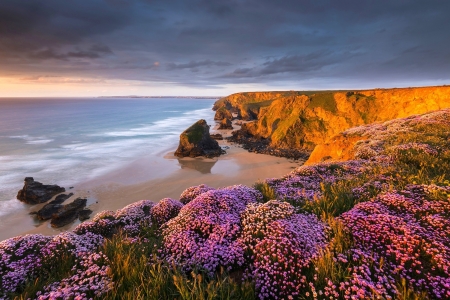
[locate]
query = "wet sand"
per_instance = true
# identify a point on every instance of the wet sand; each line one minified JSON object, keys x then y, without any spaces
{"x":158,"y":177}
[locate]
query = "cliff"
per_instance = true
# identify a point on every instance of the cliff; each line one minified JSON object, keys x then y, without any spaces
{"x":302,"y":120}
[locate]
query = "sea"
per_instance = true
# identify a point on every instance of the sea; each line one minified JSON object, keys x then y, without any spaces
{"x":65,"y":141}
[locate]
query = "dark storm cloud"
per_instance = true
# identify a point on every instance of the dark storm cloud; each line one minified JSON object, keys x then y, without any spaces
{"x":197,"y":64}
{"x":210,"y":43}
{"x":95,"y":51}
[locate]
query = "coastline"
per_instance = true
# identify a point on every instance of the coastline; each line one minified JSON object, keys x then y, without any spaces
{"x":155,"y":177}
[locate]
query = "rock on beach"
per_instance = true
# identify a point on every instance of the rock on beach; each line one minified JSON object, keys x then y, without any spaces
{"x":196,"y":141}
{"x":34,"y":192}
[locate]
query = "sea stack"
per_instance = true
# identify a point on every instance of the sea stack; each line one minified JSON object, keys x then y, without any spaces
{"x":225,"y":124}
{"x":196,"y":141}
{"x":34,"y":192}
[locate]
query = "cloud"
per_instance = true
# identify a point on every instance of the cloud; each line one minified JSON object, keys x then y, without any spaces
{"x":95,"y":51}
{"x":199,"y":43}
{"x":197,"y":64}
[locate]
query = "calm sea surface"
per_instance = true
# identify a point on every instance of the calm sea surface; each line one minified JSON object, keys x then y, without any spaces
{"x":65,"y":141}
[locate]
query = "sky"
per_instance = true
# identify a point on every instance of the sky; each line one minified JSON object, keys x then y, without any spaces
{"x":54,"y":48}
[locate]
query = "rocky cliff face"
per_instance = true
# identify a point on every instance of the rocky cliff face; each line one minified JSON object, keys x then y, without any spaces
{"x":367,"y":141}
{"x":248,"y":105}
{"x":302,"y":120}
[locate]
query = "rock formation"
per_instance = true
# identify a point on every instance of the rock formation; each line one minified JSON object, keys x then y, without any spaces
{"x":68,"y":213}
{"x":216,"y":136}
{"x":223,"y":113}
{"x":225,"y":124}
{"x":302,"y":120}
{"x":46,"y":212}
{"x":34,"y":192}
{"x":196,"y":141}
{"x":84,"y":214}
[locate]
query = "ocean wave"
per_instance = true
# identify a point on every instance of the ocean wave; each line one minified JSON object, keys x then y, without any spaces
{"x":32,"y":140}
{"x":10,"y":206}
{"x":38,"y":142}
{"x":168,"y":126}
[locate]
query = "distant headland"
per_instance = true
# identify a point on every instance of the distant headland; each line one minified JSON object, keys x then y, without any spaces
{"x":159,"y":97}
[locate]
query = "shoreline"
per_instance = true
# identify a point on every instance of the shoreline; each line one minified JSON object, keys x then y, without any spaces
{"x":155,"y":177}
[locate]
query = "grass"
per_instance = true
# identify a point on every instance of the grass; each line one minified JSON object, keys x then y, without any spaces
{"x":267,"y":191}
{"x":195,"y":133}
{"x":325,"y":265}
{"x":323,"y":100}
{"x":257,"y":105}
{"x":336,"y":199}
{"x":53,"y":270}
{"x":136,"y":276}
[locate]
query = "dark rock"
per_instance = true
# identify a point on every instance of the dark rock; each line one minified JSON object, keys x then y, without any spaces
{"x":53,"y":207}
{"x":260,"y":145}
{"x":71,"y":188}
{"x":225,"y":124}
{"x":34,"y":192}
{"x":196,"y":141}
{"x":223,"y":113}
{"x":217,"y":136}
{"x":84,"y":214}
{"x":68,"y":213}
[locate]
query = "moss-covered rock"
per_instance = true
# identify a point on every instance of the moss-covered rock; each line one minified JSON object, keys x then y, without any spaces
{"x":196,"y":141}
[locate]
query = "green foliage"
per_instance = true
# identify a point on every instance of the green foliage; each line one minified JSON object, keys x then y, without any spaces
{"x":267,"y":192}
{"x":336,"y":199}
{"x":138,"y":274}
{"x":195,"y":133}
{"x":325,"y":265}
{"x":323,"y":100}
{"x":257,"y":105}
{"x":198,"y":287}
{"x":407,"y":293}
{"x":57,"y":268}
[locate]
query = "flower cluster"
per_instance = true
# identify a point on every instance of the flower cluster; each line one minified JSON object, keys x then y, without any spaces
{"x":400,"y":235}
{"x":304,"y":183}
{"x":165,"y":210}
{"x":371,"y":188}
{"x":191,"y":193}
{"x":418,"y":147}
{"x":24,"y":257}
{"x":131,"y":219}
{"x":285,"y":252}
{"x":205,"y":232}
{"x":377,"y":135}
{"x":20,"y":260}
{"x":91,"y":278}
{"x":257,"y":217}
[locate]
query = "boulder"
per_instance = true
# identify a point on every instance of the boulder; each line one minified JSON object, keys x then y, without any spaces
{"x":68,"y":213}
{"x":51,"y":208}
{"x":217,"y":136}
{"x":225,"y":124}
{"x":34,"y":192}
{"x":196,"y":141}
{"x":84,"y":214}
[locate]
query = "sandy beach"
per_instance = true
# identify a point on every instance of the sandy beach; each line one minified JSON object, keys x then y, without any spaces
{"x":158,"y":177}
